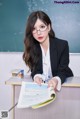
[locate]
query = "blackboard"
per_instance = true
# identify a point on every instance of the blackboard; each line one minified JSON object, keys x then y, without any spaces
{"x":65,"y":19}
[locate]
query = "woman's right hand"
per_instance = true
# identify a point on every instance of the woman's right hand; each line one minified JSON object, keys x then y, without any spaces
{"x":38,"y":80}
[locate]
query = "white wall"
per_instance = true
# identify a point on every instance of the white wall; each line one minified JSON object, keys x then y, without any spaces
{"x":9,"y":61}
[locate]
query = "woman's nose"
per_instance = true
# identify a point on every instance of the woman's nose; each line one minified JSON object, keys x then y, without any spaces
{"x":38,"y":32}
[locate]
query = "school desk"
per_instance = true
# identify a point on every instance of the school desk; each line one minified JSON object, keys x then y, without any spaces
{"x":66,"y":105}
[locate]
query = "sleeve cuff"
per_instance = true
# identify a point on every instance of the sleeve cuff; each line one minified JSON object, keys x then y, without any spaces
{"x":59,"y":83}
{"x":40,"y":75}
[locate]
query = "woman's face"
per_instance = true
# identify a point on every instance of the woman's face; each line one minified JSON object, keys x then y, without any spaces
{"x":40,"y":31}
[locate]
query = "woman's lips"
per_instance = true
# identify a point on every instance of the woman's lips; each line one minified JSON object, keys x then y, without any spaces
{"x":40,"y":38}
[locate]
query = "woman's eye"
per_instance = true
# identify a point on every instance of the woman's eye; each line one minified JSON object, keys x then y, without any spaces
{"x":42,"y":26}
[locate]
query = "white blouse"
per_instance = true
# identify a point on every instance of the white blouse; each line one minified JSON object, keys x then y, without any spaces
{"x":47,"y":73}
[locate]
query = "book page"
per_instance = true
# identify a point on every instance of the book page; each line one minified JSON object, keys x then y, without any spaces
{"x":32,"y":94}
{"x":51,"y":99}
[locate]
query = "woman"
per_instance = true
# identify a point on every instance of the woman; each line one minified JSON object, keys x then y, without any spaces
{"x":46,"y":55}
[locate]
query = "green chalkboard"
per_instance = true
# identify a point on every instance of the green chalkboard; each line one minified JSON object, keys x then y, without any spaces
{"x":13,"y":16}
{"x":65,"y":19}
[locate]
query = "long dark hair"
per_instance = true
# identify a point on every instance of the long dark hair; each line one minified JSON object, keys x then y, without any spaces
{"x":31,"y":53}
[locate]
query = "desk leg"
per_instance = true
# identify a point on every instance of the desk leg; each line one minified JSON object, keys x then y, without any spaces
{"x":13,"y":101}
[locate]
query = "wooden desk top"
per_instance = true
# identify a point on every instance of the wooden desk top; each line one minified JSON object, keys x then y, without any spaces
{"x":70,"y":82}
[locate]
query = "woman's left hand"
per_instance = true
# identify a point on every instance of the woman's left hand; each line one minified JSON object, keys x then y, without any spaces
{"x":53,"y":83}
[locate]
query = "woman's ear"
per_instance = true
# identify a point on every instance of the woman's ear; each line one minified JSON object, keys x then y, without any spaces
{"x":49,"y":27}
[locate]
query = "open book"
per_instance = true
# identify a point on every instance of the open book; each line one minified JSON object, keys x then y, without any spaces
{"x":34,"y":95}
